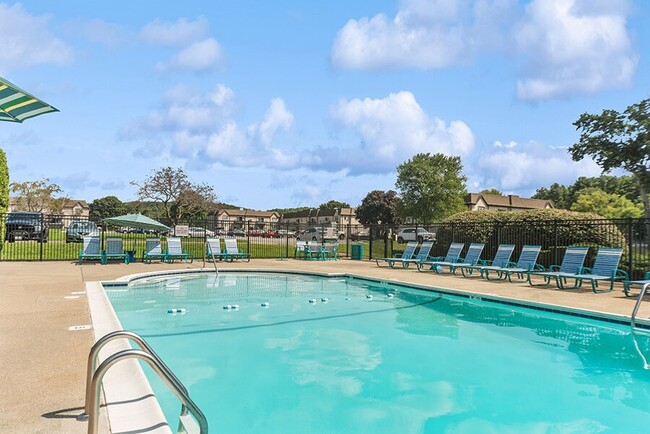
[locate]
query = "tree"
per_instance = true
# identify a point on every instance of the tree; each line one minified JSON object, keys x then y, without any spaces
{"x":109,"y":206}
{"x":379,"y":206}
{"x":557,"y":193}
{"x":177,"y":197}
{"x":333,"y":204}
{"x":4,"y":183}
{"x":491,"y":191}
{"x":38,"y":196}
{"x":608,"y":205}
{"x":431,"y":186}
{"x":618,"y":140}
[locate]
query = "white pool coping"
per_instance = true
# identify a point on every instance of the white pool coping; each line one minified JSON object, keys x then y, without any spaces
{"x":131,"y":403}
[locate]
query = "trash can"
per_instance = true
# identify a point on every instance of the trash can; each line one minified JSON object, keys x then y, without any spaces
{"x":357,"y":251}
{"x":130,"y":256}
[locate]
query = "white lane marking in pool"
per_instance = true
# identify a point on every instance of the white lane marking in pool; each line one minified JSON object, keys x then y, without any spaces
{"x":312,"y":300}
{"x":369,"y":296}
{"x":324,"y":299}
{"x":266,"y":304}
{"x":231,"y":307}
{"x":80,"y":327}
{"x":390,"y":295}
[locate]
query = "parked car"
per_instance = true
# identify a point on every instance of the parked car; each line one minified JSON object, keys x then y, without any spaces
{"x":25,"y":226}
{"x":78,"y":229}
{"x":271,"y":234}
{"x":286,"y":233}
{"x":318,"y":234}
{"x":411,"y":234}
{"x":236,"y":233}
{"x":200,"y":232}
{"x":361,"y":235}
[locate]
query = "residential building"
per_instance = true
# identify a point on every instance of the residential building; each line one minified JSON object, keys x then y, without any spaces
{"x":495,"y":202}
{"x":321,"y":217}
{"x":246,"y":218}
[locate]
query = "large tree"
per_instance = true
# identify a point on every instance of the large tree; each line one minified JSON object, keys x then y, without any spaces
{"x":176,"y":195}
{"x":333,"y":204}
{"x":4,"y":183}
{"x":379,"y":206}
{"x":609,"y":205}
{"x":109,"y":206}
{"x":38,"y":196}
{"x":432,"y":187}
{"x":618,"y":140}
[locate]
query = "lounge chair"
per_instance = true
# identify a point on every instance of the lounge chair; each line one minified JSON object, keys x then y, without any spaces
{"x":605,"y":269}
{"x":114,"y":250}
{"x":471,"y":258}
{"x":527,"y":262}
{"x":213,"y":249}
{"x":408,"y":253}
{"x":628,"y":283}
{"x":152,"y":251}
{"x":501,"y":259}
{"x":175,"y":251}
{"x":91,"y":249}
{"x":452,"y":256}
{"x":330,"y":251}
{"x":573,"y":260}
{"x":300,"y":248}
{"x":423,"y":255}
{"x":233,"y":252}
{"x":312,"y":251}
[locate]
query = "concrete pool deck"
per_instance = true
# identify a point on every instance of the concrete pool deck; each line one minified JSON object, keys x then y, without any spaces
{"x":43,"y":361}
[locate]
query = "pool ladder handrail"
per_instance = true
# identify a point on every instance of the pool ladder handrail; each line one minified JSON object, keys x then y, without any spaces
{"x":95,"y":375}
{"x":638,"y":304}
{"x":214,"y":262}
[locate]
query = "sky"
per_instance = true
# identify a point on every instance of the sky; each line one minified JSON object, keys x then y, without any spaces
{"x":289,"y":103}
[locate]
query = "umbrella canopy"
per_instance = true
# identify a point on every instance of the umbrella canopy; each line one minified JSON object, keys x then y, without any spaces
{"x":136,"y":221}
{"x":16,"y":105}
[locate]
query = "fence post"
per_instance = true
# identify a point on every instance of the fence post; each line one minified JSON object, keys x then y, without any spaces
{"x":41,"y":235}
{"x":370,"y":241}
{"x":630,"y":247}
{"x":555,"y":242}
{"x":385,"y":240}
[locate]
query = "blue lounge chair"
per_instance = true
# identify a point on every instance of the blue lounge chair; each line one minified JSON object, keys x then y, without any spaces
{"x":152,"y":251}
{"x":527,"y":262}
{"x":455,"y":249}
{"x":175,"y":251}
{"x":233,"y":252}
{"x":422,"y":255}
{"x":91,"y":249}
{"x":574,"y":259}
{"x":312,"y":251}
{"x":300,"y":248}
{"x":628,"y":283}
{"x":501,"y":259}
{"x":330,"y":251}
{"x":114,"y":250}
{"x":605,"y":269}
{"x":471,"y":258}
{"x":408,"y":253}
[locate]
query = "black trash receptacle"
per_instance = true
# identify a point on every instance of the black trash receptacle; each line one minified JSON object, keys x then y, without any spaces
{"x":357,"y":251}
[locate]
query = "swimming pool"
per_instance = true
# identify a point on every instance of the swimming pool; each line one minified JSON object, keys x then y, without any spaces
{"x":309,"y":354}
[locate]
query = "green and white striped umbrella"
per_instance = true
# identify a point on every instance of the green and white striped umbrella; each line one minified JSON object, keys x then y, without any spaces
{"x":16,"y":105}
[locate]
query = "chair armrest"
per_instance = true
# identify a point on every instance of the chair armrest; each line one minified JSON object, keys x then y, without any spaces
{"x":554,"y":268}
{"x":619,"y":274}
{"x":537,"y":267}
{"x":484,"y":262}
{"x":584,"y":270}
{"x":437,"y":258}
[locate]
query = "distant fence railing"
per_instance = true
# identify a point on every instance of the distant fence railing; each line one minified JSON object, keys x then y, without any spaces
{"x":58,"y":238}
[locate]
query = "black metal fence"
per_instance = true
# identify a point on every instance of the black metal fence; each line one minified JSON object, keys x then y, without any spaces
{"x":55,"y":237}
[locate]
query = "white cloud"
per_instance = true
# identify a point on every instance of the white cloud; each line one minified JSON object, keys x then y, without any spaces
{"x":277,"y":117}
{"x":27,"y":40}
{"x":522,"y":168}
{"x":424,"y":34}
{"x":181,"y":33}
{"x":200,"y":56}
{"x":110,"y":35}
{"x":392,"y":130}
{"x":573,"y":47}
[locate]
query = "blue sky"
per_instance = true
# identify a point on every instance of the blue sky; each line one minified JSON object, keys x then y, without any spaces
{"x":294,"y":103}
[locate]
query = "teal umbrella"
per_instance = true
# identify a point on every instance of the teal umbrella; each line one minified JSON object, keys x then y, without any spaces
{"x":16,"y":105}
{"x":137,"y":221}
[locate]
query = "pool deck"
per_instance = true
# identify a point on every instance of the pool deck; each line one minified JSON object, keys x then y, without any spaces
{"x":43,"y":361}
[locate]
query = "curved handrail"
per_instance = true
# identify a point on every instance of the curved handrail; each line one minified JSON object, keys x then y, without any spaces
{"x":163,"y":372}
{"x":94,"y":353}
{"x":638,"y":304}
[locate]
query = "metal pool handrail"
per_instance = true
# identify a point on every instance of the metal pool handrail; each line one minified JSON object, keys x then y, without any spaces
{"x":638,"y":304}
{"x":94,"y":379}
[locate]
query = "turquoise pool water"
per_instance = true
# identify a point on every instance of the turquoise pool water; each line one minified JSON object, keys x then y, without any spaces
{"x":338,"y":355}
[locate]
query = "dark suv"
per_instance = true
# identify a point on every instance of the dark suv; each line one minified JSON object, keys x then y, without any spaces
{"x":25,"y":226}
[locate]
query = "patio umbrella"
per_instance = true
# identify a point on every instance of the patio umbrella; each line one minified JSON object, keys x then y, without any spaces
{"x":16,"y":105}
{"x":137,"y":221}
